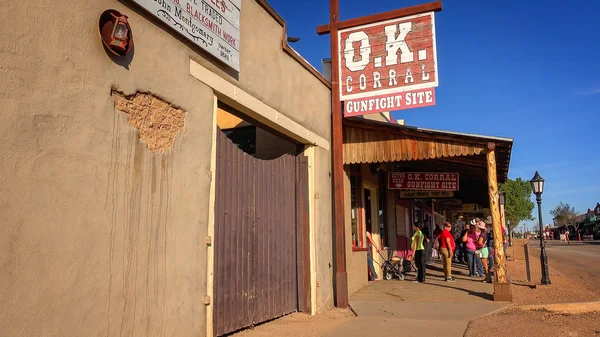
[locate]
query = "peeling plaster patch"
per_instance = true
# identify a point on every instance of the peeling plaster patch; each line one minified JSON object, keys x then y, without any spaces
{"x":157,"y":121}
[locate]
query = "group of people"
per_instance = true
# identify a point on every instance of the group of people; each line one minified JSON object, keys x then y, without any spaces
{"x":469,"y":243}
{"x":466,"y":243}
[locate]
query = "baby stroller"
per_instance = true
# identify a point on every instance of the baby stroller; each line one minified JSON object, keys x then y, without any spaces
{"x":395,"y":266}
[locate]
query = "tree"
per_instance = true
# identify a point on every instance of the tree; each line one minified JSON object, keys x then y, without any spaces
{"x":564,"y":215}
{"x":517,"y":202}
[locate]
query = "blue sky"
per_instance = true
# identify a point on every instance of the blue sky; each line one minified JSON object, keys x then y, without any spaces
{"x":510,"y":68}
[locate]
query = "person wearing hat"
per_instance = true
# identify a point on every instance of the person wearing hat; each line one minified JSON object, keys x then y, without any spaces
{"x":483,"y":251}
{"x":470,"y":240}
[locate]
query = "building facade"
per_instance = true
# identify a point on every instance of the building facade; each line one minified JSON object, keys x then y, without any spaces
{"x":373,"y":149}
{"x":126,"y":209}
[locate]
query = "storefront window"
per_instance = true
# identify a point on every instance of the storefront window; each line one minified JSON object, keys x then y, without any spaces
{"x":355,"y":211}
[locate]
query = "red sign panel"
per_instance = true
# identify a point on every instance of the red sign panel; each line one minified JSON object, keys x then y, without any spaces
{"x":388,"y":58}
{"x":391,"y":102}
{"x":426,"y":181}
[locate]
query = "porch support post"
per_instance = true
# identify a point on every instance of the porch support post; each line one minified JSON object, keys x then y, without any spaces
{"x":341,"y":275}
{"x":502,"y":291}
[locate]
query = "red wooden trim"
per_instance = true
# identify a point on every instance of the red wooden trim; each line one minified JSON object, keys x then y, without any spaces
{"x":361,"y":212}
{"x":398,"y":13}
{"x":359,"y":249}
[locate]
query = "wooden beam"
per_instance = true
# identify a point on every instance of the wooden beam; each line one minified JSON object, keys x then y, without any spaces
{"x":337,"y":154}
{"x":500,"y":262}
{"x":365,"y":20}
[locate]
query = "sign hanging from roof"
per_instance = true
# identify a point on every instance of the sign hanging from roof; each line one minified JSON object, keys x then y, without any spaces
{"x":387,"y":66}
{"x":426,"y":181}
{"x":213,"y":25}
{"x":425,"y":194}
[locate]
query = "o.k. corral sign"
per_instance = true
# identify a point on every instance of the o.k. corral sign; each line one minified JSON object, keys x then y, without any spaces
{"x":213,"y":25}
{"x":387,"y":66}
{"x":425,"y":181}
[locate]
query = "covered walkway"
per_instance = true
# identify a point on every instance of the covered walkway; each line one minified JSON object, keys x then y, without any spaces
{"x":374,"y":150}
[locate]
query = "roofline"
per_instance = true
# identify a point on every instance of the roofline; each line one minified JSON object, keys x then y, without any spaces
{"x":473,"y":135}
{"x":453,"y":133}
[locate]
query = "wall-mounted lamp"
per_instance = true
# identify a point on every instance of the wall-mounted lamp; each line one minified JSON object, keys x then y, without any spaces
{"x":115,"y":32}
{"x":292,"y":39}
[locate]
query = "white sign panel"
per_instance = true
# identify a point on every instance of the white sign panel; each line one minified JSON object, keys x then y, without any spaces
{"x":213,"y":25}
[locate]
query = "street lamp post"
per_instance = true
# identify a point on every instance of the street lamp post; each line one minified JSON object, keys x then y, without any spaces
{"x":537,"y":185}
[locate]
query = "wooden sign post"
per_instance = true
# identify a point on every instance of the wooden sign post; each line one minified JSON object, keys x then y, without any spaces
{"x":341,"y":275}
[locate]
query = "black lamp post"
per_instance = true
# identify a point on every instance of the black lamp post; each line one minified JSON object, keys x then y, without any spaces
{"x":537,"y":185}
{"x":597,"y":209}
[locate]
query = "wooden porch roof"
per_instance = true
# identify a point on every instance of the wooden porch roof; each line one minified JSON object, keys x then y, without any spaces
{"x":423,"y":149}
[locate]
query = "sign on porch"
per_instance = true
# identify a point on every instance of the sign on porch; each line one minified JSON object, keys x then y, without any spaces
{"x":425,"y":194}
{"x":426,"y":181}
{"x":470,"y":208}
{"x":450,"y":205}
{"x":387,"y":66}
{"x":213,"y":25}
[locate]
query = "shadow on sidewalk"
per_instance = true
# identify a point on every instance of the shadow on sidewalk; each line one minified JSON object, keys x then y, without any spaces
{"x":483,"y":295}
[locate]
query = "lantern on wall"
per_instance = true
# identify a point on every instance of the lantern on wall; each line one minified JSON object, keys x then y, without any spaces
{"x":115,"y":32}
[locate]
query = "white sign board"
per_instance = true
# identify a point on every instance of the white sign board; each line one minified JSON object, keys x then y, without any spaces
{"x":213,"y":25}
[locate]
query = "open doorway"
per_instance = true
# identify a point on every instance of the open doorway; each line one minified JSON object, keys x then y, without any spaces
{"x":368,"y":211}
{"x":252,"y":137}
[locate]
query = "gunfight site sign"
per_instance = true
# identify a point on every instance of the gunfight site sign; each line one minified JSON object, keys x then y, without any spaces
{"x":213,"y":25}
{"x":387,"y":66}
{"x":424,"y":181}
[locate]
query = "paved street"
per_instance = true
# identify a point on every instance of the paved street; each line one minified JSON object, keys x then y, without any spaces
{"x":577,"y":261}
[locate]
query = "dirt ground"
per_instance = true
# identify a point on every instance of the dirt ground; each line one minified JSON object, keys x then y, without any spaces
{"x":534,"y":324}
{"x":296,"y":325}
{"x":568,"y":285}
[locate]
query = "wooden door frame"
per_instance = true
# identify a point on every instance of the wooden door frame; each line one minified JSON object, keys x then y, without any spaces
{"x":309,"y":256}
{"x":303,"y":237}
{"x":375,"y":230}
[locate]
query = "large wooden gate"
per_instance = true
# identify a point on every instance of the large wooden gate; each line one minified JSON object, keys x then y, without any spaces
{"x":261,"y":238}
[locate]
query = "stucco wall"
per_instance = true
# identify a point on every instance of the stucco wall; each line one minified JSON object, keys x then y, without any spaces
{"x":274,"y":77}
{"x":100,"y":236}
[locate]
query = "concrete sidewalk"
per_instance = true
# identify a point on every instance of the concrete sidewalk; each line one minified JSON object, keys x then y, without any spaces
{"x":396,"y":308}
{"x":436,"y":308}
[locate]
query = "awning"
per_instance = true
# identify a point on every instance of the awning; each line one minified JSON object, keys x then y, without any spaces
{"x":421,"y":149}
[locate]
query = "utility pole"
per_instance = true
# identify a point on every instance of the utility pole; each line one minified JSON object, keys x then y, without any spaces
{"x":341,"y":275}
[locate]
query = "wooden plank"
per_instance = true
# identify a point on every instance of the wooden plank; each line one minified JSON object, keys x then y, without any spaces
{"x":365,"y":20}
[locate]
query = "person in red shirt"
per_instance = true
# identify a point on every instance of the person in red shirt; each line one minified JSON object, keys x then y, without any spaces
{"x":447,"y":247}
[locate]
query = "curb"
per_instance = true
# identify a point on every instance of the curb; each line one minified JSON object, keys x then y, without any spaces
{"x":564,"y":308}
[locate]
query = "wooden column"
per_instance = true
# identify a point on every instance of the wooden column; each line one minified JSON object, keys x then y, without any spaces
{"x":341,"y":275}
{"x":502,"y":290}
